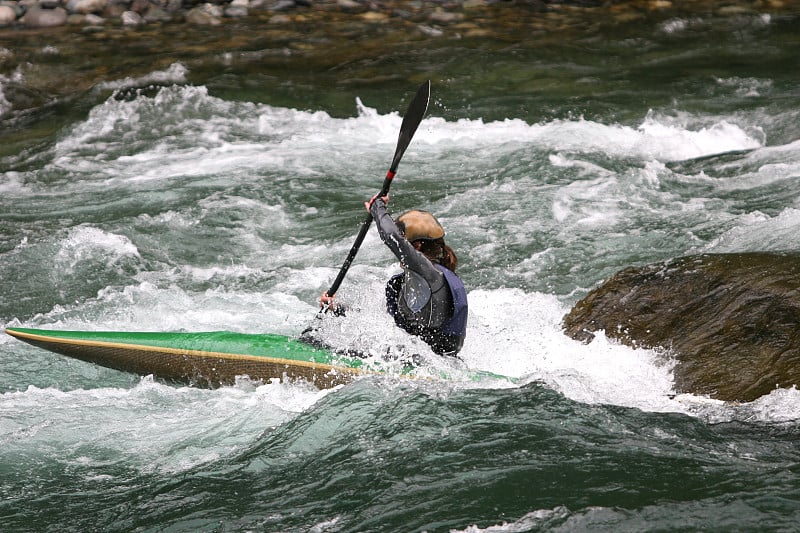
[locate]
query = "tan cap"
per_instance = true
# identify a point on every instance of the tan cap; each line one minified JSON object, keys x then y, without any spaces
{"x":420,"y":225}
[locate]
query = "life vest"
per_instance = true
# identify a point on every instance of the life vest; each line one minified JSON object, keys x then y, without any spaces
{"x":447,"y":339}
{"x":457,"y":325}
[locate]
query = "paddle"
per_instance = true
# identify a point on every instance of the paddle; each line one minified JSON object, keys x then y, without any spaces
{"x":416,"y":110}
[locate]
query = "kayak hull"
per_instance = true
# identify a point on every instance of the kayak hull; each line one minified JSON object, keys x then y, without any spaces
{"x":209,"y":359}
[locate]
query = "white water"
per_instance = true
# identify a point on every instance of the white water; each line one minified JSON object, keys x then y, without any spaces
{"x":528,"y":183}
{"x":154,"y":427}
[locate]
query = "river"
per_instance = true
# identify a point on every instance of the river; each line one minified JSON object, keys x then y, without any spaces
{"x":191,"y":190}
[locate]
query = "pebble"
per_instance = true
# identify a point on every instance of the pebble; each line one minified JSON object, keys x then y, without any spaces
{"x":374,"y":16}
{"x":445,"y":17}
{"x":283,"y":5}
{"x":351,"y":6}
{"x":280,"y":19}
{"x":36,"y":17}
{"x":90,"y":6}
{"x":430,"y":32}
{"x":7,"y":15}
{"x":131,"y":19}
{"x":205,"y":15}
{"x":235,"y":12}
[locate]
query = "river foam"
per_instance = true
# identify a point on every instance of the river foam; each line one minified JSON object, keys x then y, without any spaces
{"x":225,"y":231}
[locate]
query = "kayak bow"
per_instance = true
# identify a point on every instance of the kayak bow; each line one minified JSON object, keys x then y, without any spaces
{"x":207,"y":359}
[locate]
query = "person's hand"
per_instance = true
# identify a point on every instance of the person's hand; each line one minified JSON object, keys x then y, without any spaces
{"x":326,"y":301}
{"x":368,"y":204}
{"x":329,"y":305}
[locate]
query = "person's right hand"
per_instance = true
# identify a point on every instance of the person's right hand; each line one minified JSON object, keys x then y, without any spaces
{"x":368,"y":203}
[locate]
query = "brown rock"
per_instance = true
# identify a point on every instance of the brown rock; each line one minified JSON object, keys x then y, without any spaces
{"x":732,"y":321}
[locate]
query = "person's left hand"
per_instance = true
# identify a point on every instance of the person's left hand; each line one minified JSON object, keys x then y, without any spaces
{"x":326,"y":301}
{"x":368,"y":203}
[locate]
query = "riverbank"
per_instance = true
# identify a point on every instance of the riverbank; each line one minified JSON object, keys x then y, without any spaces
{"x":93,"y":15}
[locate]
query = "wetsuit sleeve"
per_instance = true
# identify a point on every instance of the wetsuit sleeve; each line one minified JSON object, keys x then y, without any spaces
{"x":410,"y":258}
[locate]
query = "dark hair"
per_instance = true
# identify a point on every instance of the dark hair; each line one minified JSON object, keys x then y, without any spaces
{"x":438,"y":252}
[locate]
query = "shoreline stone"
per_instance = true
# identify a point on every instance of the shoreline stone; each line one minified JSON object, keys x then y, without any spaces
{"x":39,"y":17}
{"x":29,"y":14}
{"x":7,"y":15}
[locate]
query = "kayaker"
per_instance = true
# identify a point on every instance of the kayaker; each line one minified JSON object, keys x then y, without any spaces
{"x":428,"y":299}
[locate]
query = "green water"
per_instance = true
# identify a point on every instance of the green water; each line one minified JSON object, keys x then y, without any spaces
{"x":172,"y":186}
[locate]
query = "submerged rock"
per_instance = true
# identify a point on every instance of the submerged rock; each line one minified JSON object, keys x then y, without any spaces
{"x":732,"y":321}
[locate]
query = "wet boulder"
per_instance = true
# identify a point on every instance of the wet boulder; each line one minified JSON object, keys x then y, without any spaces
{"x":731,"y":321}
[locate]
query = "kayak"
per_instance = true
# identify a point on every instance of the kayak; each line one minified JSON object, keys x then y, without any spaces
{"x":209,"y":359}
{"x":213,"y":359}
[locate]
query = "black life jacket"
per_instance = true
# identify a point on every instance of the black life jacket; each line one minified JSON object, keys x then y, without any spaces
{"x":447,"y":339}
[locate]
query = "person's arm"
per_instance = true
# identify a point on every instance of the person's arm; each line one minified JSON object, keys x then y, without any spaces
{"x":409,"y":257}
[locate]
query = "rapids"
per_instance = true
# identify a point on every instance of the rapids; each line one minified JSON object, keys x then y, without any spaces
{"x":198,"y":198}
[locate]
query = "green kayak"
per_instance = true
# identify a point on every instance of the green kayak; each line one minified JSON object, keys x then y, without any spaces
{"x":206,"y":359}
{"x":212,"y":359}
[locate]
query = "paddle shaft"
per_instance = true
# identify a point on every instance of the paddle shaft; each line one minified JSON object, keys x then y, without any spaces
{"x":416,"y":110}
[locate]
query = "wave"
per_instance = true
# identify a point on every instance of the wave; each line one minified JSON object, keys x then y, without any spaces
{"x":181,"y":124}
{"x":150,"y":426}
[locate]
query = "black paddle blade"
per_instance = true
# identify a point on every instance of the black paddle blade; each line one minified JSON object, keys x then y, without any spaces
{"x":411,"y":120}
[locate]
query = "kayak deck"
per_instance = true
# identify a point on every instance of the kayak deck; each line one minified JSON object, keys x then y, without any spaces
{"x":208,"y":359}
